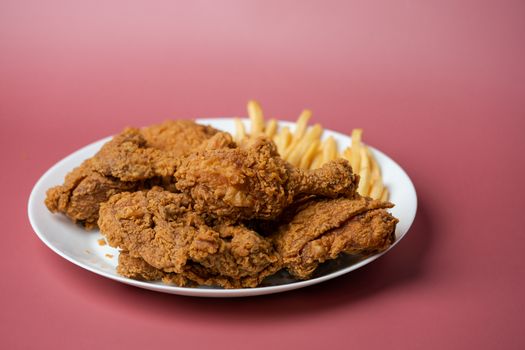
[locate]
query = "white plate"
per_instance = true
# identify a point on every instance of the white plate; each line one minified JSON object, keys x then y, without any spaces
{"x":81,"y":248}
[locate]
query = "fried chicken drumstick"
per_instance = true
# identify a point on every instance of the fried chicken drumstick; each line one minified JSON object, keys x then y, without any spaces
{"x":251,"y":181}
{"x":161,"y":228}
{"x":132,"y":160}
{"x":322,"y":229}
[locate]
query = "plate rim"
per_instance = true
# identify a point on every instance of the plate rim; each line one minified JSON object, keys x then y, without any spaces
{"x":209,"y":292}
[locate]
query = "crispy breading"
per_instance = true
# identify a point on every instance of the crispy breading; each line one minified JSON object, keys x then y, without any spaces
{"x":132,"y":160}
{"x":252,"y":182}
{"x":194,"y":275}
{"x":161,"y":228}
{"x":137,"y":268}
{"x":177,"y":137}
{"x":82,"y":192}
{"x":322,"y":229}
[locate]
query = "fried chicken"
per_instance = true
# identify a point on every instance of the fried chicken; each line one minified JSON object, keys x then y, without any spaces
{"x":82,"y":192}
{"x":322,"y":229}
{"x":194,"y":275}
{"x":252,"y":182}
{"x":138,"y":269}
{"x":132,"y":160}
{"x":162,"y":229}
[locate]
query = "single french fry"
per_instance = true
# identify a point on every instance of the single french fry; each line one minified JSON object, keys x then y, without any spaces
{"x":271,"y":128}
{"x":329,"y":149}
{"x":356,"y":153}
{"x":256,"y":116}
{"x":364,"y":174}
{"x":302,"y":123}
{"x":283,"y":139}
{"x":347,"y":154}
{"x":385,"y":195}
{"x":308,"y":156}
{"x":314,"y":134}
{"x":278,"y":139}
{"x":317,"y":161}
{"x":295,"y":156}
{"x":377,"y":189}
{"x":375,"y":173}
{"x":300,"y":130}
{"x":240,"y":132}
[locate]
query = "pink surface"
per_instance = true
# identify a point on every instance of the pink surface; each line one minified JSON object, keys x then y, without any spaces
{"x":437,"y":85}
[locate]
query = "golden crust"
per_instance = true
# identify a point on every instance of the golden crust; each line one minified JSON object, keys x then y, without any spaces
{"x":322,"y":229}
{"x":253,"y":182}
{"x":132,"y":160}
{"x":162,"y":229}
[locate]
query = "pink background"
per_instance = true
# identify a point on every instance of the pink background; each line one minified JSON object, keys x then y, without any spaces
{"x":437,"y":85}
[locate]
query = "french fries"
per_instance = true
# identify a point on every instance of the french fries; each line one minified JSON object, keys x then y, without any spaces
{"x":256,"y":116}
{"x":240,"y":132}
{"x":355,"y":157}
{"x":329,"y":149}
{"x":364,"y":172}
{"x":271,"y":128}
{"x":306,"y":149}
{"x":283,"y":139}
{"x":300,"y":130}
{"x":300,"y":148}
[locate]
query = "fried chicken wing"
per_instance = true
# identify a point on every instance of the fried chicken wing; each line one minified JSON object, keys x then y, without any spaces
{"x":252,"y":182}
{"x":322,"y":229}
{"x":132,"y":160}
{"x":161,"y":228}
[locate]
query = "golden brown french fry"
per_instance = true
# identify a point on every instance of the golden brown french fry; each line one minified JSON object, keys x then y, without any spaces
{"x":297,"y":150}
{"x":377,"y":188}
{"x":314,"y":133}
{"x":364,"y":174}
{"x":295,"y":156}
{"x":300,"y":130}
{"x":317,"y":161}
{"x":308,"y":156}
{"x":347,"y":154}
{"x":283,"y":139}
{"x":356,"y":153}
{"x":271,"y":128}
{"x":375,"y":173}
{"x":385,"y":195}
{"x":302,"y":123}
{"x":240,"y":132}
{"x":329,"y":149}
{"x":256,"y":116}
{"x":376,"y":182}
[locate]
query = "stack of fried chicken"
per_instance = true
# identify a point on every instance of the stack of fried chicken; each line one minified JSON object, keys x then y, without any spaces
{"x":187,"y":205}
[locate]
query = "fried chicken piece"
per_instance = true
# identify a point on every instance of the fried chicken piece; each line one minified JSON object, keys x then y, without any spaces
{"x":132,"y":160}
{"x":194,"y":275}
{"x":161,"y":228}
{"x":202,"y":276}
{"x":82,"y":192}
{"x":177,"y":137}
{"x":137,"y":268}
{"x":252,"y":182}
{"x":128,"y":157}
{"x":322,"y":229}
